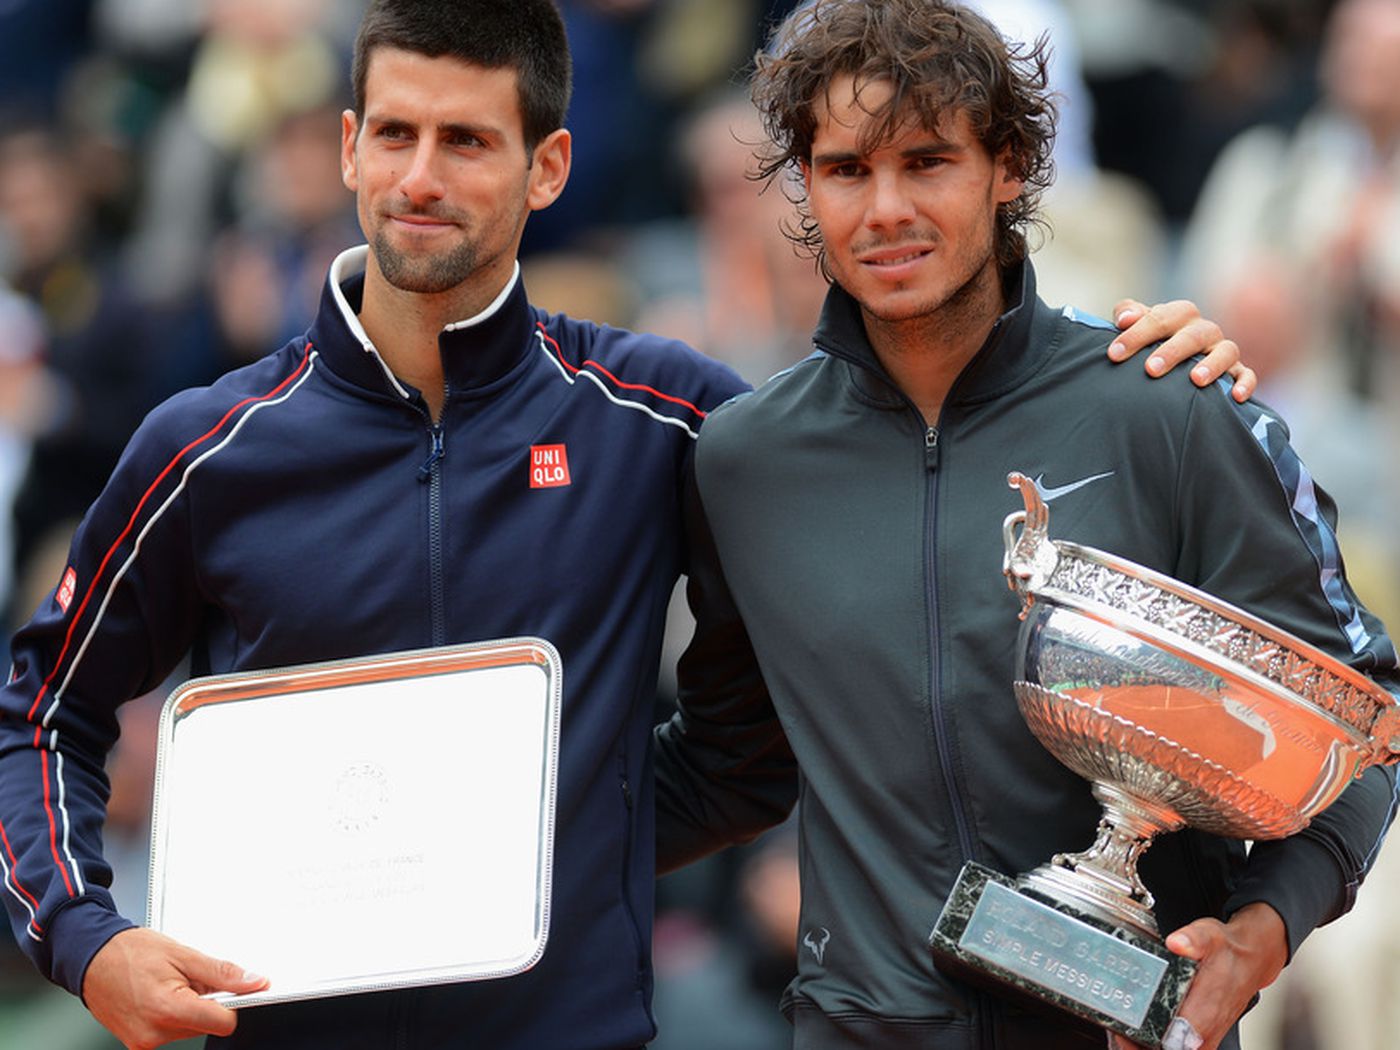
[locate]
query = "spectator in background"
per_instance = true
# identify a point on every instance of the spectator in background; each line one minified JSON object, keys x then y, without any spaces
{"x":718,"y":979}
{"x":257,"y":62}
{"x":22,"y":401}
{"x":1174,"y":80}
{"x":98,"y":358}
{"x":1296,"y":244}
{"x":264,"y":272}
{"x":40,"y":41}
{"x":1106,"y":226}
{"x":725,"y":279}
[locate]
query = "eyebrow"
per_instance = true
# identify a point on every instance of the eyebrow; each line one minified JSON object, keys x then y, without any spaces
{"x":923,"y":149}
{"x":451,"y":128}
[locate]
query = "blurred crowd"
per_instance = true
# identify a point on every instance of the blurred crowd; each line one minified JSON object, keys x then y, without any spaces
{"x":170,"y":199}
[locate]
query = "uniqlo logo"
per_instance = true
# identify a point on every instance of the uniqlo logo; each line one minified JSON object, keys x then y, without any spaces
{"x":66,"y":589}
{"x":549,"y":467}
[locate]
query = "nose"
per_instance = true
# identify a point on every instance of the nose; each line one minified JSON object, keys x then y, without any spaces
{"x":889,"y":205}
{"x":422,"y":183}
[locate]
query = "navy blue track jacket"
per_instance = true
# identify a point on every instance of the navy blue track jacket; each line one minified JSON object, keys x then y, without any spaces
{"x":307,"y":508}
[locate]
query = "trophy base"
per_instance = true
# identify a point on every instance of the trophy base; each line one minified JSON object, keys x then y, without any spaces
{"x":996,"y":933}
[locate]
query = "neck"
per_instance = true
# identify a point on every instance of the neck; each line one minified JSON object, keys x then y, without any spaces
{"x":404,"y":326}
{"x":924,"y":355}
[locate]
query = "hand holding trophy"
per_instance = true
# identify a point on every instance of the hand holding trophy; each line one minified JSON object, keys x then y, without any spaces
{"x":1180,"y":709}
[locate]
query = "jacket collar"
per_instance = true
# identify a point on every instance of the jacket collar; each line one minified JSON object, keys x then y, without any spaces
{"x":1006,"y":358}
{"x":475,"y":351}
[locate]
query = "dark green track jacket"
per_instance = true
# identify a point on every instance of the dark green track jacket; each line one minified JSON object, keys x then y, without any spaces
{"x":853,"y":613}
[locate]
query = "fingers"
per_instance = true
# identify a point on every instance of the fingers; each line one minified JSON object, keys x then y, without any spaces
{"x":146,"y":989}
{"x":1198,"y":939}
{"x":1142,"y":326}
{"x":206,"y":975}
{"x":1245,"y":382}
{"x":188,"y":1015}
{"x":1126,"y":311}
{"x":1182,"y":1035}
{"x":1186,"y":334}
{"x":1198,"y":336}
{"x":1234,"y":961}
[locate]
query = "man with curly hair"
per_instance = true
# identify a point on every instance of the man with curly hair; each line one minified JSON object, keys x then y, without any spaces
{"x":864,"y":660}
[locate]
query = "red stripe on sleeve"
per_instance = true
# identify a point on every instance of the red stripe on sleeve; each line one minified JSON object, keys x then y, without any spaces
{"x":102,"y":568}
{"x":559,"y":353}
{"x":131,"y":522}
{"x":53,"y":827}
{"x":14,"y":876}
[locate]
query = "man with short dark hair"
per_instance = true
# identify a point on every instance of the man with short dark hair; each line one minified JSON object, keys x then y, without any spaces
{"x":861,"y":645}
{"x":367,"y":489}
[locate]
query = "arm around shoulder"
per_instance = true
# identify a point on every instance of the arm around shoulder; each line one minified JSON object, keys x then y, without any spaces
{"x":724,"y":770}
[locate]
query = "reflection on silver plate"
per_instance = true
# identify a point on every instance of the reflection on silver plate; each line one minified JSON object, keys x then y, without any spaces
{"x":363,"y":824}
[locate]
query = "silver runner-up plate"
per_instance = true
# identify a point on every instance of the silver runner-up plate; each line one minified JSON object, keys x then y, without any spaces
{"x":364,"y":824}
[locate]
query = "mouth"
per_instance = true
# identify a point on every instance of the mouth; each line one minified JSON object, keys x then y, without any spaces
{"x":420,"y":223}
{"x":895,"y":261}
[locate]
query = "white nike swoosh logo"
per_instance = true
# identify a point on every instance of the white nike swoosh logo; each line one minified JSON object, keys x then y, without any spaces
{"x":1064,"y":490}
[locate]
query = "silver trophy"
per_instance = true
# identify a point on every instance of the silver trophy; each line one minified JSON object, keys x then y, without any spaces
{"x":1180,"y":709}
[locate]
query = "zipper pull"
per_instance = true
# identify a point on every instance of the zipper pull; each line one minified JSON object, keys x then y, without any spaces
{"x":931,"y":448}
{"x":425,"y":472}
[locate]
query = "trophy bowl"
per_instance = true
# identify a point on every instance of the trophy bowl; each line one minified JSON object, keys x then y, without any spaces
{"x":1180,"y":709}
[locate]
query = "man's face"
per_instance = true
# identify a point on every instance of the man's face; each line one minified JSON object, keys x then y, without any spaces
{"x":442,"y":179}
{"x":910,"y":225}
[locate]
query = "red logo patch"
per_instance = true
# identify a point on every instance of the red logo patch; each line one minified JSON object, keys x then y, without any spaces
{"x":549,"y":467}
{"x":64,"y":595}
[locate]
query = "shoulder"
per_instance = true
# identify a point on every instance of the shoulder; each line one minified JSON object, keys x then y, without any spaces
{"x":780,"y":406}
{"x":638,"y":364}
{"x":1079,"y":368}
{"x":199,"y":414}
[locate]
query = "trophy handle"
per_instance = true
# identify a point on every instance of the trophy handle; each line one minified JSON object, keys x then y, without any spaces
{"x":1031,"y":555}
{"x":1385,"y":737}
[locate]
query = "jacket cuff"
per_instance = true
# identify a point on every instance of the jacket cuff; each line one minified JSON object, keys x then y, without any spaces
{"x":76,"y":934}
{"x":1300,"y":879}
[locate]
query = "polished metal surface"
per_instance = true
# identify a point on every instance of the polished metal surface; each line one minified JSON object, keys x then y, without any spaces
{"x":1179,"y":707}
{"x":363,"y":824}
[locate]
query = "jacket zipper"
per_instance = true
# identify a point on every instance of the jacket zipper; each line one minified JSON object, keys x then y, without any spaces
{"x":627,"y":905}
{"x":430,"y":473}
{"x":982,"y":1015}
{"x":940,"y":733}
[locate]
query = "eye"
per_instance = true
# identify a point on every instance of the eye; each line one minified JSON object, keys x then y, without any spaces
{"x":392,"y":132}
{"x":929,"y":161}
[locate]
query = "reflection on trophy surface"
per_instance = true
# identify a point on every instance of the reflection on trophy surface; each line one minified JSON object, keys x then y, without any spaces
{"x":1180,"y":709}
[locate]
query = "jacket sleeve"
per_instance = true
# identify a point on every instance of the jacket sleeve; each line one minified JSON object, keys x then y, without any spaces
{"x":117,"y":624}
{"x":724,"y":770}
{"x":1285,"y":566}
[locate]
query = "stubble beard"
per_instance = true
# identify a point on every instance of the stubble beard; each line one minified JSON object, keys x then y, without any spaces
{"x":428,"y":274}
{"x":980,"y":277}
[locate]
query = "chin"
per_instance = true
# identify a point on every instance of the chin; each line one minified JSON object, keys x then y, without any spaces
{"x":899,"y":306}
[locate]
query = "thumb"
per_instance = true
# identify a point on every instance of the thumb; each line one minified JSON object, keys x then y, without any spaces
{"x":1196,"y":940}
{"x":207,"y":974}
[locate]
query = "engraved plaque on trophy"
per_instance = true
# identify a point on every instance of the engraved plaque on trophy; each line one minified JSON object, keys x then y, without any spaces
{"x":1181,"y":710}
{"x":362,"y":824}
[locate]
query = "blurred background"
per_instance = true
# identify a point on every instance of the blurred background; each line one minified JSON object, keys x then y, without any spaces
{"x":170,"y":199}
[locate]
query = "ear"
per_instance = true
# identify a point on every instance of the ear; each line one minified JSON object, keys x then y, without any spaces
{"x":806,"y":167}
{"x":349,"y":130}
{"x":1006,"y":187}
{"x":549,"y":169}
